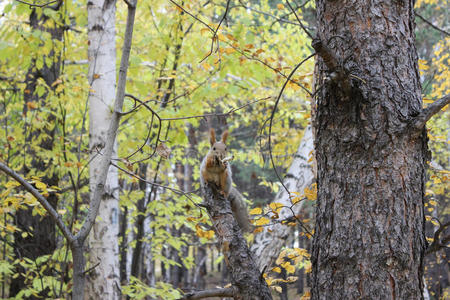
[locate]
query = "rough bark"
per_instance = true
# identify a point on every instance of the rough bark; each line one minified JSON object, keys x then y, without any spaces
{"x":369,"y":239}
{"x":104,"y":279}
{"x":300,"y":175}
{"x":245,"y":275}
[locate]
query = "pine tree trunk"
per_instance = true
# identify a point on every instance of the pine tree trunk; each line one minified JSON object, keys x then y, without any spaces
{"x":104,"y":280}
{"x":369,"y":239}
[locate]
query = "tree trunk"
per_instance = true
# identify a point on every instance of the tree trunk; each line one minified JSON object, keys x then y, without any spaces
{"x":42,"y":239}
{"x":104,"y":279}
{"x":300,"y":175}
{"x":369,"y":239}
{"x":245,"y":276}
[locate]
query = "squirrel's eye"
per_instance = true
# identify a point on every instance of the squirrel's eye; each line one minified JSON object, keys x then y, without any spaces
{"x":214,"y":148}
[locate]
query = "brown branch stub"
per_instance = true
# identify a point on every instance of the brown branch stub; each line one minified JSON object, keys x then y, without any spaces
{"x":432,"y":109}
{"x":337,"y":72}
{"x":245,"y":275}
{"x":223,"y":292}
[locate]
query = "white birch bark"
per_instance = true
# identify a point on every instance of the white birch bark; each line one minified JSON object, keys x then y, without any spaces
{"x":300,"y":175}
{"x":104,"y":280}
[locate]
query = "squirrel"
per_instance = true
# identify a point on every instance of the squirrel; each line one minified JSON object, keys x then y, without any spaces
{"x":216,"y":169}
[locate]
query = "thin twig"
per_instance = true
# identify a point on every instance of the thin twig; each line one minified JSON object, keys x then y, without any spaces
{"x":37,"y":5}
{"x":299,"y":21}
{"x":273,"y":114}
{"x":432,"y":25}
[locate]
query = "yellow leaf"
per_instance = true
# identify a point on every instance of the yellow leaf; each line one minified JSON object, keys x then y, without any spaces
{"x":221,"y":37}
{"x":11,"y":184}
{"x":276,"y":270}
{"x":292,"y":279}
{"x":258,"y":229}
{"x":262,"y":221}
{"x":40,"y":185}
{"x":31,"y":105}
{"x":230,"y":37}
{"x":296,"y":200}
{"x":229,"y":50}
{"x":203,"y":30}
{"x":206,"y":66}
{"x":289,"y":268}
{"x":306,"y":296}
{"x":308,"y":267}
{"x":280,"y":6}
{"x":432,"y":202}
{"x":311,"y":193}
{"x":276,"y":207}
{"x":434,"y":222}
{"x":256,"y":211}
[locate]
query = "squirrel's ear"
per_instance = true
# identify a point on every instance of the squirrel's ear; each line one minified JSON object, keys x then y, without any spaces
{"x":212,"y":136}
{"x":224,"y":136}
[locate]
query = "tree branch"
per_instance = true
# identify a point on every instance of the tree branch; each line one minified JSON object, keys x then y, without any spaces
{"x":113,"y":127}
{"x":52,"y":212}
{"x":432,"y":25}
{"x":37,"y":5}
{"x":437,"y":244}
{"x":432,"y":109}
{"x":223,"y":292}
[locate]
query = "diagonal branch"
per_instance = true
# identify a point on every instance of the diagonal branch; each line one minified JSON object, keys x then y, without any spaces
{"x":432,"y":109}
{"x":52,"y":212}
{"x":437,"y":243}
{"x":223,"y":292}
{"x":432,"y":25}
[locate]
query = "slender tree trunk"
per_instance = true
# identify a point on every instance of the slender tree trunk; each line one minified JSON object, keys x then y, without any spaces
{"x":300,"y":175}
{"x":369,"y":239}
{"x":104,"y":279}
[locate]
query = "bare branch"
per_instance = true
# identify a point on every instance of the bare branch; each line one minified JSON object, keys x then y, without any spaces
{"x":52,"y":212}
{"x":38,"y":5}
{"x":273,"y":114}
{"x":223,"y":292}
{"x":437,"y":243}
{"x":299,"y":21}
{"x":432,"y":25}
{"x":431,"y":110}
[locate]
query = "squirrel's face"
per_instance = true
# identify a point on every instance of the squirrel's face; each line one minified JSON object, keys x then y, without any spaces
{"x":219,"y":149}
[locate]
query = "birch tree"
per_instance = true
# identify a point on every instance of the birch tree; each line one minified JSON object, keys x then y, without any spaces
{"x":300,"y":175}
{"x":103,"y":243}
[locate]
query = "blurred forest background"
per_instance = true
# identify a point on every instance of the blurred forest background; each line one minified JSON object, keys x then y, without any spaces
{"x":182,"y":80}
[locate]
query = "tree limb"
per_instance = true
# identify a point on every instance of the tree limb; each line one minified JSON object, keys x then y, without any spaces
{"x":223,"y":292}
{"x":432,"y":25}
{"x":37,"y":5}
{"x":437,"y":244}
{"x":431,"y":110}
{"x":52,"y":212}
